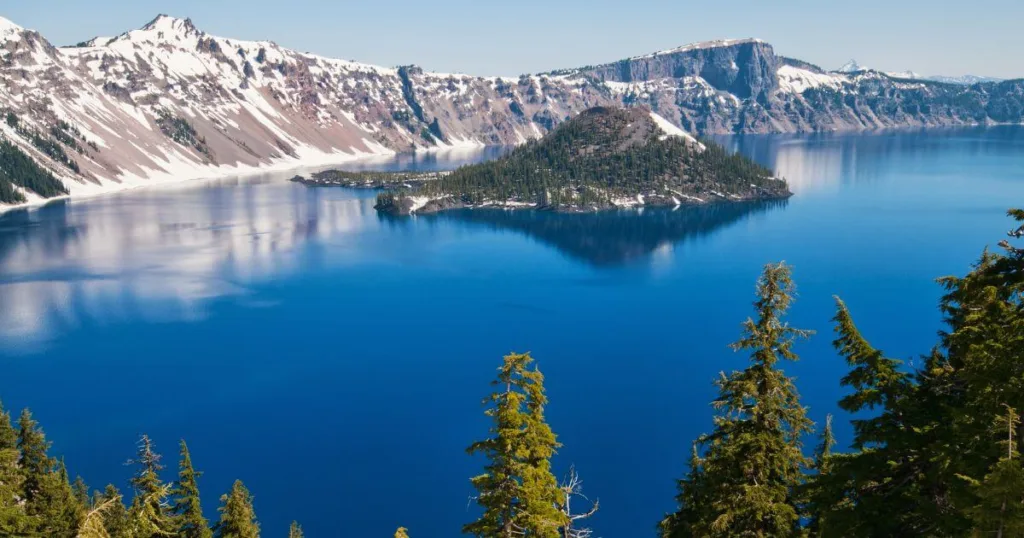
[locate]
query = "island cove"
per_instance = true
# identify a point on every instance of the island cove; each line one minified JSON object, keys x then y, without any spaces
{"x":606,"y":157}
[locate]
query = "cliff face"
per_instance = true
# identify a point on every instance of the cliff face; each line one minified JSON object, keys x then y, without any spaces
{"x":169,"y":101}
{"x":743,"y":68}
{"x":743,"y":86}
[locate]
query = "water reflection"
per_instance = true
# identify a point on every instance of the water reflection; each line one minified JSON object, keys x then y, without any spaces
{"x":611,"y":238}
{"x":157,"y":254}
{"x":822,"y":161}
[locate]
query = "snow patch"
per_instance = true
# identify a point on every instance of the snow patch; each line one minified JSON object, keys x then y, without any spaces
{"x":797,"y":80}
{"x":671,"y":130}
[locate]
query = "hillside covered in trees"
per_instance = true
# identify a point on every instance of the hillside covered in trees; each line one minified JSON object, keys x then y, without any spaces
{"x":935,"y":450}
{"x":602,"y":158}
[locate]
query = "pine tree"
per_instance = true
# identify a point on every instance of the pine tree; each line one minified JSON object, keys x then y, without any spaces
{"x":149,"y":511}
{"x":753,"y":462}
{"x":692,"y":505}
{"x":402,"y":533}
{"x":55,"y":504}
{"x":13,"y":519}
{"x":877,"y":490}
{"x":518,"y":493}
{"x":823,"y":466}
{"x":187,"y":508}
{"x":114,"y":516}
{"x":81,"y":491}
{"x":1000,"y":510}
{"x":34,"y":461}
{"x":877,"y":381}
{"x":237,"y":517}
{"x":49,"y":499}
{"x":295,"y":531}
{"x":8,"y":435}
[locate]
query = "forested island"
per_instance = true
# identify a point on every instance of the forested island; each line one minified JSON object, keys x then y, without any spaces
{"x":935,"y":450}
{"x":603,"y":158}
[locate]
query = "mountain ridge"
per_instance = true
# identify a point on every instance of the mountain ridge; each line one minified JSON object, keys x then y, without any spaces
{"x":169,"y":101}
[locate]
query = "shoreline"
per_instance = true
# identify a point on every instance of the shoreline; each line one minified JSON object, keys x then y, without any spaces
{"x":434,"y":208}
{"x":80,"y":191}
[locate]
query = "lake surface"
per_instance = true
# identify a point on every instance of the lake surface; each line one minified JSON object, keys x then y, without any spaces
{"x":335,"y":360}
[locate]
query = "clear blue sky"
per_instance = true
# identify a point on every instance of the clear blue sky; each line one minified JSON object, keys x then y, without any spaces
{"x":485,"y":37}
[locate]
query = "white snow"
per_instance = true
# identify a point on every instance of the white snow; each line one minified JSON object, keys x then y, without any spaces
{"x":905,"y":74}
{"x":418,"y":202}
{"x":8,"y":30}
{"x":797,"y":80}
{"x":852,"y":67}
{"x":702,"y":45}
{"x":671,"y":130}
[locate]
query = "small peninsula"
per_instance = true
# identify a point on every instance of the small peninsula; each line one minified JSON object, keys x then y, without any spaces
{"x":603,"y":158}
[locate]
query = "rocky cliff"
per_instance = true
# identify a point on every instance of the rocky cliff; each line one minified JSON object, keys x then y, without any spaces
{"x":169,"y":101}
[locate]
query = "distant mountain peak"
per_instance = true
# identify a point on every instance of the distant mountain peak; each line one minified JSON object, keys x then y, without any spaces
{"x":168,"y":28}
{"x":908,"y":74}
{"x":852,"y":67}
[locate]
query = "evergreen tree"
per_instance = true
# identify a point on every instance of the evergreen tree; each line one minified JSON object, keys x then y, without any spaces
{"x":402,"y":533}
{"x":34,"y":461}
{"x":8,"y":434}
{"x":754,"y":462}
{"x":518,"y":493}
{"x":190,"y":522}
{"x":877,"y":381}
{"x":59,"y":512}
{"x":823,"y":467}
{"x":149,"y":511}
{"x":692,"y":505}
{"x":237,"y":516}
{"x":46,"y":491}
{"x":114,"y":515}
{"x":295,"y":531}
{"x":81,"y":491}
{"x":13,"y":519}
{"x":1000,"y":510}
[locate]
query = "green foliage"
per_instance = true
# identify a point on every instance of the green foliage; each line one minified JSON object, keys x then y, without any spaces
{"x":188,"y":509}
{"x":149,"y":510}
{"x":746,"y":483}
{"x":402,"y":532}
{"x":13,"y":519}
{"x":52,"y":149}
{"x":17,"y":168}
{"x":1000,"y":507}
{"x":112,"y":513}
{"x":517,"y":492}
{"x":181,"y":131}
{"x":237,"y":517}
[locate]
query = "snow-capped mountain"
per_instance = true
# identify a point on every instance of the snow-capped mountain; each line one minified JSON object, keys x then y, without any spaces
{"x":852,"y":67}
{"x":965,"y":80}
{"x":910,"y":75}
{"x":169,"y":101}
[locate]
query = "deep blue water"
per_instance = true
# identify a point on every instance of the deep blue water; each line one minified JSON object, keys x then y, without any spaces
{"x":335,"y":360}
